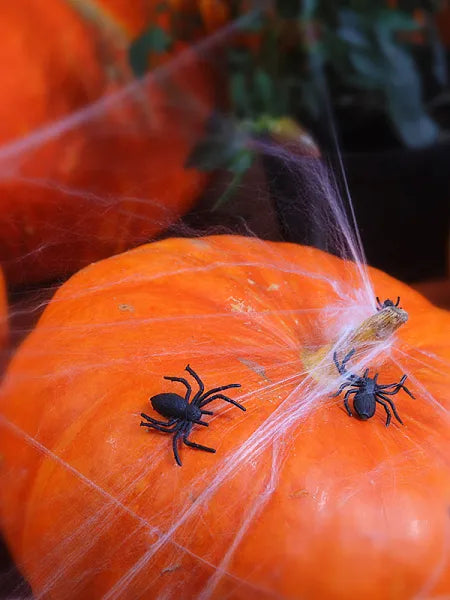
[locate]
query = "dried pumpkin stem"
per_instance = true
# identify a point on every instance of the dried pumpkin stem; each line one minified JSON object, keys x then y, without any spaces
{"x":376,"y":328}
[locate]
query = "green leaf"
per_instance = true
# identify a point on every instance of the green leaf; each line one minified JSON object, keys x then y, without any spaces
{"x":239,"y":94}
{"x":308,"y":8}
{"x":209,"y":155}
{"x":352,"y":29}
{"x":264,"y":89}
{"x":396,"y":20}
{"x":403,"y":90}
{"x":241,"y":161}
{"x":251,"y":22}
{"x":368,"y":66}
{"x":154,"y":39}
{"x":229,"y":192}
{"x":218,"y":147}
{"x":240,"y":164}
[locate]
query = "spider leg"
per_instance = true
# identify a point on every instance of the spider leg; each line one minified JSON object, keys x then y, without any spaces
{"x":341,"y":367}
{"x":175,"y":439}
{"x":193,"y":444}
{"x":185,"y":383}
{"x":160,"y":427}
{"x":391,"y":404}
{"x":207,"y":412}
{"x":347,"y":407}
{"x":198,"y":446}
{"x":201,"y":385}
{"x":201,"y":423}
{"x":386,"y":385}
{"x":397,"y":387}
{"x":351,"y":380}
{"x":386,"y":408}
{"x":199,"y":399}
{"x":398,"y":301}
{"x":156,"y":422}
{"x":186,"y":432}
{"x":405,"y":389}
{"x":222,"y":397}
{"x":347,"y":358}
{"x":400,"y":383}
{"x":341,"y":389}
{"x":379,"y":305}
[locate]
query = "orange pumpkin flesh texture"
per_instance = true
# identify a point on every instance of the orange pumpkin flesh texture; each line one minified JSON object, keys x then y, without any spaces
{"x":299,"y":501}
{"x":89,"y":166}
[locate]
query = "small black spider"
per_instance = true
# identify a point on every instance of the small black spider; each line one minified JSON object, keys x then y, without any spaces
{"x":182,"y":414}
{"x":368,"y":392}
{"x":387,"y":303}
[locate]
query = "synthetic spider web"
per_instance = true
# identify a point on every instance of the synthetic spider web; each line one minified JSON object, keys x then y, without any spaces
{"x":296,"y":489}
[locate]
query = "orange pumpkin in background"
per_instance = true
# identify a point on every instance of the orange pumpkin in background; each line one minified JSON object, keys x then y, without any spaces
{"x":134,"y":16}
{"x":299,"y":500}
{"x":130,"y":17}
{"x":91,"y":163}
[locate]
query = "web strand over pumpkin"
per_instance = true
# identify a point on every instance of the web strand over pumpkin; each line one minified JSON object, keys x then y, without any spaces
{"x":268,"y":315}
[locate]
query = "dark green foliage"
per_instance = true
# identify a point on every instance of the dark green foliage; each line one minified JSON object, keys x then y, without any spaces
{"x":314,"y":58}
{"x":153,"y":40}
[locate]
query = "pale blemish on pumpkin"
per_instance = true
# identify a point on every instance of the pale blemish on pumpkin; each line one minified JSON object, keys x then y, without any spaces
{"x":376,"y":328}
{"x":126,"y":307}
{"x":258,"y":369}
{"x":200,"y":243}
{"x":273,"y":287}
{"x":251,"y":282}
{"x":299,"y":493}
{"x":171,"y":569}
{"x":238,"y":305}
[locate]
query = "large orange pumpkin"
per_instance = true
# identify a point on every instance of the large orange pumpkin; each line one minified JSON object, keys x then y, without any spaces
{"x":299,"y":501}
{"x":89,"y":165}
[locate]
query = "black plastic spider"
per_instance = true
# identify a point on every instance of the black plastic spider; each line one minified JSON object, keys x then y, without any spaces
{"x":182,"y":414}
{"x":368,"y":392}
{"x":387,"y":303}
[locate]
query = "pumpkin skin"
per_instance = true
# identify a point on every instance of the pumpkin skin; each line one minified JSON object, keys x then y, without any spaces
{"x":132,"y":17}
{"x":300,"y":501}
{"x":105,"y":174}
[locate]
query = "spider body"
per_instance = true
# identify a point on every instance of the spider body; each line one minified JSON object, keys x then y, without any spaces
{"x":182,"y":412}
{"x":387,"y":303}
{"x":174,"y":406}
{"x":368,"y":392}
{"x":364,"y":402}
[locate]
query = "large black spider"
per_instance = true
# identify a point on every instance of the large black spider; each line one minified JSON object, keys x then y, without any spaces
{"x":182,"y":414}
{"x":387,"y":303}
{"x":368,"y":392}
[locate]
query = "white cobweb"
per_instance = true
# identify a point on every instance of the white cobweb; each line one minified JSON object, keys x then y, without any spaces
{"x":270,"y":345}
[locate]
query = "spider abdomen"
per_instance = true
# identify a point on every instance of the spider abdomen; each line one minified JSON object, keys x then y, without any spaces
{"x":364,"y":405}
{"x":174,"y":406}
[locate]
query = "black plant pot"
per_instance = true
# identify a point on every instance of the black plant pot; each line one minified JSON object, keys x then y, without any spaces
{"x":401,"y":200}
{"x":402,"y":204}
